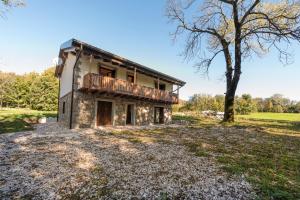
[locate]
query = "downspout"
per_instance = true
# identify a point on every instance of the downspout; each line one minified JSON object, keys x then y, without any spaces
{"x":72,"y":94}
{"x":58,"y":97}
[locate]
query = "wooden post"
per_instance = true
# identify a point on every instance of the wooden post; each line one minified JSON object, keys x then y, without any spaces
{"x":134,"y":79}
{"x":157,"y":83}
{"x":177,"y":90}
{"x":91,"y":60}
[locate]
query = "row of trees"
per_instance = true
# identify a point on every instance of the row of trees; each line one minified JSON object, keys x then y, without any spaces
{"x":39,"y":92}
{"x":33,"y":90}
{"x":244,"y":104}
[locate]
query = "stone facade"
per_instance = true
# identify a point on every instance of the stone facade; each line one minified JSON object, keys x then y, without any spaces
{"x":64,"y":117}
{"x":85,"y":105}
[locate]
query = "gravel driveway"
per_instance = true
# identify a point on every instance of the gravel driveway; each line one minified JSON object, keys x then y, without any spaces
{"x":57,"y":163}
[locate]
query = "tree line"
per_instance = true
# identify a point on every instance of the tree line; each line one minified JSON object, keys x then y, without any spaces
{"x":39,"y":91}
{"x":244,"y":104}
{"x":33,"y":90}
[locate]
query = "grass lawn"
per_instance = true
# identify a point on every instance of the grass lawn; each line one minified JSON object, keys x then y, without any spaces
{"x":13,"y":120}
{"x":294,"y":117}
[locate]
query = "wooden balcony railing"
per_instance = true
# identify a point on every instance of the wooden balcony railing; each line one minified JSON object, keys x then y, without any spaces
{"x":95,"y":82}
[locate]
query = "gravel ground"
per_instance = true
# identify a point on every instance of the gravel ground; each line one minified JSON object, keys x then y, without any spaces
{"x":57,"y":163}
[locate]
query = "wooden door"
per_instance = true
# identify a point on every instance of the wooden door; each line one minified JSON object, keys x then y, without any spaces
{"x":104,"y":110}
{"x":158,"y":115}
{"x":161,"y":115}
{"x":129,"y":114}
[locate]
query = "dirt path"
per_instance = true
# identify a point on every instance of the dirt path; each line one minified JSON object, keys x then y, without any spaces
{"x":53,"y":163}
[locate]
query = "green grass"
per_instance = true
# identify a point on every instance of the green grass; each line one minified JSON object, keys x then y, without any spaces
{"x":278,"y":123}
{"x":294,"y":117}
{"x":14,"y":120}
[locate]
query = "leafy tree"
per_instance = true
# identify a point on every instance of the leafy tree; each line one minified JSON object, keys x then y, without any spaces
{"x":245,"y":105}
{"x":259,"y":104}
{"x":201,"y":102}
{"x":6,"y":80}
{"x":238,"y":29}
{"x":31,"y":81}
{"x":33,"y":90}
{"x":277,"y":108}
{"x":268,"y":105}
{"x":220,"y":99}
{"x":45,"y":91}
{"x":297,"y":107}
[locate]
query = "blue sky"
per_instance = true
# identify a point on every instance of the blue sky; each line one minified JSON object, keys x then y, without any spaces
{"x":138,"y":30}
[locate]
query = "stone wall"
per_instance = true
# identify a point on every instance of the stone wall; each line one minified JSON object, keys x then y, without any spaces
{"x":65,"y":117}
{"x":84,"y":107}
{"x":120,"y":112}
{"x":84,"y":110}
{"x":85,"y":104}
{"x":167,"y":114}
{"x":144,"y":113}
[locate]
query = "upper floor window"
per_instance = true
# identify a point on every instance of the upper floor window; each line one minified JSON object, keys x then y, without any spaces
{"x":107,"y":72}
{"x":162,"y":86}
{"x":130,"y":78}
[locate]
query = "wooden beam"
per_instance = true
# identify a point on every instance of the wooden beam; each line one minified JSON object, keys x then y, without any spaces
{"x":91,"y":58}
{"x":134,"y":79}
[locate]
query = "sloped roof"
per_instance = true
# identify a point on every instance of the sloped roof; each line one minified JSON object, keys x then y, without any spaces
{"x":74,"y":43}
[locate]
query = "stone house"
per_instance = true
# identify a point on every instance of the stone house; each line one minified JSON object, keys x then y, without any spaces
{"x":99,"y":88}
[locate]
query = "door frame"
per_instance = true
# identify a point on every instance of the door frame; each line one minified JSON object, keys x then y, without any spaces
{"x":132,"y":113}
{"x":112,"y":110}
{"x":164,"y":109}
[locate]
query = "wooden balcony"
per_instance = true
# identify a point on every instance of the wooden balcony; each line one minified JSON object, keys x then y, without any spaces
{"x":95,"y":82}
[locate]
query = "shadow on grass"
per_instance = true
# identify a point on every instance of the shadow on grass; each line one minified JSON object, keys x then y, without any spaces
{"x":271,"y":126}
{"x":269,"y":161}
{"x":20,"y":122}
{"x":266,"y":151}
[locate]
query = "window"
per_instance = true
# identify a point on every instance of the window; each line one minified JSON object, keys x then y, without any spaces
{"x":64,"y":107}
{"x":162,"y":86}
{"x":107,"y":72}
{"x":130,"y":78}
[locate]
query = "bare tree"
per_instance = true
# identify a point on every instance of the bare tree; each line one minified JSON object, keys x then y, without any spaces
{"x":236,"y":29}
{"x":5,"y":5}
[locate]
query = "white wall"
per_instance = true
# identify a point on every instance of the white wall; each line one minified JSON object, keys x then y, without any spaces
{"x":121,"y":73}
{"x":86,"y":67}
{"x":66,"y":75}
{"x":150,"y":81}
{"x":144,"y":80}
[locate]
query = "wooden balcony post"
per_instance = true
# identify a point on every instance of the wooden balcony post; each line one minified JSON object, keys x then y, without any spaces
{"x":157,"y":83}
{"x":134,"y":79}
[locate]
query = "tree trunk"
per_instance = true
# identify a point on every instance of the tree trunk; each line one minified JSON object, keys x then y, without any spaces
{"x":230,"y":95}
{"x":232,"y":81}
{"x":229,"y":107}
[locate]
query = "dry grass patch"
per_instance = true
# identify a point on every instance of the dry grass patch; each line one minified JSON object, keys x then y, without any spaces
{"x":266,"y":152}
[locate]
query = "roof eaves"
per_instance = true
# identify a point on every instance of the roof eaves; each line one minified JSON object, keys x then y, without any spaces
{"x":75,"y":43}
